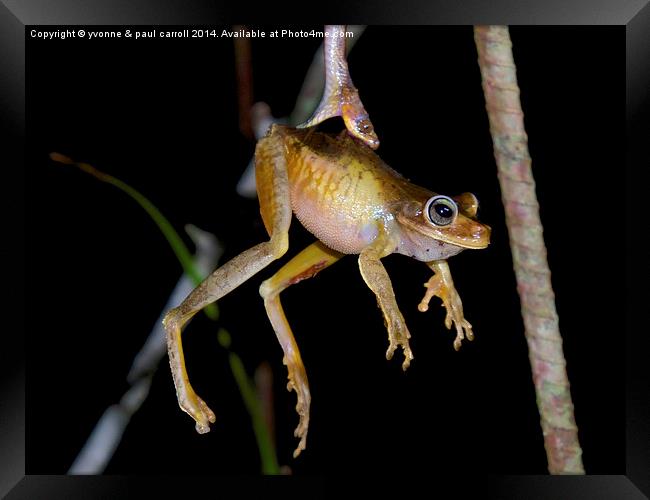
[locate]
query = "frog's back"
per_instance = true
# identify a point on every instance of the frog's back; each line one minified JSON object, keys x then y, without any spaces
{"x":339,"y":188}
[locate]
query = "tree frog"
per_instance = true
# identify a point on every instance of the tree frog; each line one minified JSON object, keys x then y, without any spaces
{"x":346,"y":196}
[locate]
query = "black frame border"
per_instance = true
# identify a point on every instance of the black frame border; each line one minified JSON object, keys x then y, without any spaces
{"x":14,"y":17}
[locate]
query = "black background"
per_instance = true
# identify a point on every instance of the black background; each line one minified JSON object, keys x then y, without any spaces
{"x":162,"y":116}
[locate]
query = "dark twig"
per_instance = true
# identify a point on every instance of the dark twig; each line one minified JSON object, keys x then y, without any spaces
{"x":244,"y":72}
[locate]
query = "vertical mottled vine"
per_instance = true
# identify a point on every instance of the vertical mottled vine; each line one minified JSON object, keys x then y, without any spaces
{"x":540,"y":317}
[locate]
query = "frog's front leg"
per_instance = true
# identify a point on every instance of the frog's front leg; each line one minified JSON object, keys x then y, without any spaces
{"x":276,"y":208}
{"x":442,"y":285}
{"x":306,"y":264}
{"x":377,"y":279}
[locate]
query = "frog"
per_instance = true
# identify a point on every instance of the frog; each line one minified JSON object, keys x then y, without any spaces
{"x":354,"y":204}
{"x":343,"y":193}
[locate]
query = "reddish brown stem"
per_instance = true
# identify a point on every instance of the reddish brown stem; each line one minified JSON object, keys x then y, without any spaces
{"x":244,"y":70}
{"x":264,"y":388}
{"x":528,"y":249}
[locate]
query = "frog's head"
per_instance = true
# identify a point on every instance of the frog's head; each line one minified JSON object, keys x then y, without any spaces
{"x":441,"y":226}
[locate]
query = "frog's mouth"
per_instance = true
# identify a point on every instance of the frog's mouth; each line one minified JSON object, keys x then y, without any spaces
{"x":463,"y":232}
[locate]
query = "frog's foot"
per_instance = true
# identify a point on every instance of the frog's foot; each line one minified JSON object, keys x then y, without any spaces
{"x":207,"y":415}
{"x":298,"y":382}
{"x":357,"y":120}
{"x":189,"y":402}
{"x":196,"y":408}
{"x":452,"y":303}
{"x":345,"y":102}
{"x":340,"y":97}
{"x":398,"y":335}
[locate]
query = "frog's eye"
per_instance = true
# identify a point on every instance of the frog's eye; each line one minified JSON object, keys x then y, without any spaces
{"x":441,"y":210}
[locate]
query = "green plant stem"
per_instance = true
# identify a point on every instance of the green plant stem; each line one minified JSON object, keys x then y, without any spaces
{"x":246,"y":387}
{"x":249,"y":395}
{"x":173,"y":238}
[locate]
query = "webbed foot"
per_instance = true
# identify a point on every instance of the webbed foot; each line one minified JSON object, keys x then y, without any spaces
{"x":298,"y":383}
{"x":441,"y":285}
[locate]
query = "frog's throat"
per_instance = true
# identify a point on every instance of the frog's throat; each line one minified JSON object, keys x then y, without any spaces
{"x":438,"y":234}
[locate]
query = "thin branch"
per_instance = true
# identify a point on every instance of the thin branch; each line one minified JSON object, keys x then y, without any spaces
{"x":109,"y":430}
{"x":528,"y":249}
{"x":208,"y":252}
{"x":107,"y":434}
{"x":261,"y":121}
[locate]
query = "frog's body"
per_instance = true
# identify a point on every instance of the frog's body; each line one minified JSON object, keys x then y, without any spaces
{"x":335,"y":192}
{"x":353,"y":203}
{"x":340,"y":190}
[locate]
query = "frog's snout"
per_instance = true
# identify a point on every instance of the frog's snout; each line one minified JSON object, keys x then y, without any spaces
{"x":481,"y":235}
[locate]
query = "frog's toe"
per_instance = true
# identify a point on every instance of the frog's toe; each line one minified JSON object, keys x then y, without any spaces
{"x":196,"y":408}
{"x":468,"y":330}
{"x":399,"y":335}
{"x":206,"y":411}
{"x":301,"y":445}
{"x":448,"y":319}
{"x":463,"y":330}
{"x":298,"y":383}
{"x":390,"y":351}
{"x":302,"y":407}
{"x":408,"y":357}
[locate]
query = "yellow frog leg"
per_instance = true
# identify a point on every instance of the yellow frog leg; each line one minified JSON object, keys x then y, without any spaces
{"x":442,"y":285}
{"x":274,"y":202}
{"x":305,"y":265}
{"x":340,"y":97}
{"x":377,"y":279}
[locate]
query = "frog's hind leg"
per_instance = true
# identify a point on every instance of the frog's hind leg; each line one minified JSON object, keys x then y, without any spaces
{"x":276,"y":207}
{"x":306,"y":264}
{"x":340,"y":97}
